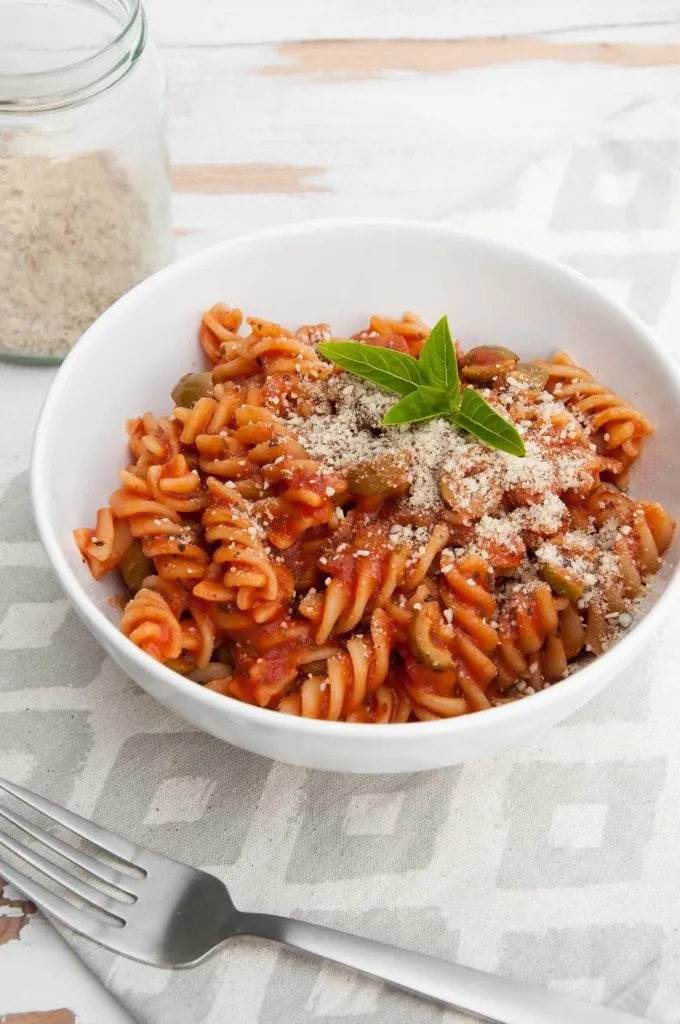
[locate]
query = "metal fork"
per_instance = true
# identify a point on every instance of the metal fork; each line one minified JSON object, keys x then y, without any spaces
{"x":171,"y":915}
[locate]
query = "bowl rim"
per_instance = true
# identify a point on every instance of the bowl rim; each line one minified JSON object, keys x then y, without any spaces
{"x":97,"y":622}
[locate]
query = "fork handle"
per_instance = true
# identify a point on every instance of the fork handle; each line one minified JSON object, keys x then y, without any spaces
{"x":486,"y":996}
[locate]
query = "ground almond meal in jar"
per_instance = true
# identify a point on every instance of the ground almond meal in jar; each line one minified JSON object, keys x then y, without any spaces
{"x":75,"y":236}
{"x":84,"y":173}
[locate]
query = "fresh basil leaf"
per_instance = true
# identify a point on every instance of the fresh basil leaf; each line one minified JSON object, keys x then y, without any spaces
{"x":393,"y":371}
{"x":423,"y":404}
{"x":429,"y":387}
{"x":437,"y":360}
{"x":479,"y":418}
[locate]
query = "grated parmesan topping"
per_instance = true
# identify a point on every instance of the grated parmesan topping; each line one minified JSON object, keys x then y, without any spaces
{"x":506,"y":509}
{"x":408,"y":534}
{"x":349,"y":432}
{"x":346,"y":430}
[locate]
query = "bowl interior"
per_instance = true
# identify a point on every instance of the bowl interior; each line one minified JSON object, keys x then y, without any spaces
{"x":337,"y":273}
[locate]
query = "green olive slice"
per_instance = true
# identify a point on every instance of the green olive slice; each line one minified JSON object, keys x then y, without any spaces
{"x":481,"y":364}
{"x":224,"y":655}
{"x":535,"y":376}
{"x":191,"y":387}
{"x":562,"y":582}
{"x":382,"y":476}
{"x":135,"y":567}
{"x":316,"y":668}
{"x":424,"y":645}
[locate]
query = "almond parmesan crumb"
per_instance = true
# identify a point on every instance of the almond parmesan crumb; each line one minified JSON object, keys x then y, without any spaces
{"x":76,"y":233}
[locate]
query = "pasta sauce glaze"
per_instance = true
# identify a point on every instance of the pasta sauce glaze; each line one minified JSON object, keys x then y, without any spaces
{"x":282,"y":548}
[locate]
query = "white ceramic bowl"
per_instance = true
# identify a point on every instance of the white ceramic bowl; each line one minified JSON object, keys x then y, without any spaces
{"x":339,"y":272}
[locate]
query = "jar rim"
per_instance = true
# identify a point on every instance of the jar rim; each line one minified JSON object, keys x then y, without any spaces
{"x":68,"y":84}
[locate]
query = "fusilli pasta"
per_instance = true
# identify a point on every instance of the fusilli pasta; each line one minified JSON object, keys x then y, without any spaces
{"x":279,"y":546}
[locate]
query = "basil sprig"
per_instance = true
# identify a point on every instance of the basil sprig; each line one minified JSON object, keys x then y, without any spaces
{"x":429,"y":386}
{"x":390,"y":370}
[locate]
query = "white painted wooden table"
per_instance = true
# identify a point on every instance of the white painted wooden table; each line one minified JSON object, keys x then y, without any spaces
{"x":280,"y":112}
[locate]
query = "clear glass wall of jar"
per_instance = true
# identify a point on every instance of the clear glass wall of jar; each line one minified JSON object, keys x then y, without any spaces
{"x":84,"y":176}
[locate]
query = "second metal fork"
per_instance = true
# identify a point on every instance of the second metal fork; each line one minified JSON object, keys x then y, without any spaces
{"x":167,"y":914}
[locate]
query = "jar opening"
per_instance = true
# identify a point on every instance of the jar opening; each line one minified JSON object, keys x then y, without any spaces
{"x":56,"y":53}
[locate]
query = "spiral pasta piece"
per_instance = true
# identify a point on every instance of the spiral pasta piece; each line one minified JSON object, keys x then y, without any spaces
{"x":644,"y":532}
{"x":103,"y":547}
{"x":447,"y":671}
{"x":151,"y":625}
{"x":269,"y":347}
{"x":153,"y":509}
{"x":353,"y":676}
{"x":363,"y":573}
{"x":528,"y":618}
{"x":152,"y":442}
{"x":303,"y":492}
{"x":242,"y":572}
{"x":280,"y":352}
{"x":551,"y":662}
{"x":240,"y":440}
{"x":619,"y":425}
{"x":407,"y":335}
{"x":198,"y":637}
{"x":466,"y":591}
{"x":219,"y":335}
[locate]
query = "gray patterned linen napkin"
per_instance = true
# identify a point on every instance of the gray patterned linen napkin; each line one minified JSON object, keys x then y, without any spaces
{"x":556,"y":863}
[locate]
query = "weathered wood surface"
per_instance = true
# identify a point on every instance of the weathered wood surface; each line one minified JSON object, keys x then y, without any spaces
{"x":309,"y":109}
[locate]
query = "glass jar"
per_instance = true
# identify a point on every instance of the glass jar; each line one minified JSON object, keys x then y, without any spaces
{"x":84,"y":175}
